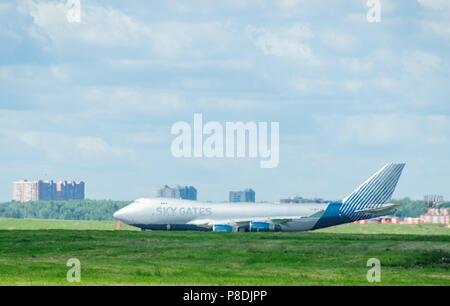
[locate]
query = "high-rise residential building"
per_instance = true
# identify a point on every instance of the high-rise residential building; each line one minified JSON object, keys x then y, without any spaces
{"x":47,"y":190}
{"x":163,"y":192}
{"x":70,"y":190}
{"x":25,"y":191}
{"x":28,"y":191}
{"x":247,"y":195}
{"x":178,"y":192}
{"x":187,"y":192}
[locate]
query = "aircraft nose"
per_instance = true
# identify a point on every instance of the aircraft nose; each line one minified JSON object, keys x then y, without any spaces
{"x":116,"y":215}
{"x":120,"y":215}
{"x":128,"y":214}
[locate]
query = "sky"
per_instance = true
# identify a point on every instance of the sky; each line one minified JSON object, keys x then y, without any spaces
{"x":95,"y":100}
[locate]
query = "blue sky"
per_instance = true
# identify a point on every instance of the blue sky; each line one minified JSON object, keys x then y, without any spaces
{"x":96,"y":100}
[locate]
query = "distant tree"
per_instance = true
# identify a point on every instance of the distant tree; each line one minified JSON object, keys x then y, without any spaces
{"x":64,"y":210}
{"x":410,"y":208}
{"x":445,"y":205}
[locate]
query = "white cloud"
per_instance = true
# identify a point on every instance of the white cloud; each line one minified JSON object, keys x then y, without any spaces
{"x":96,"y":147}
{"x":225,"y":64}
{"x":307,"y":8}
{"x":389,"y":84}
{"x":357,"y":65}
{"x":4,"y":7}
{"x":60,"y":147}
{"x":60,"y":72}
{"x":179,"y":7}
{"x":377,"y":129}
{"x":312,"y":86}
{"x":338,"y":40}
{"x":327,"y":87}
{"x":232,"y":104}
{"x":441,"y":27}
{"x":439,"y":23}
{"x":387,"y":6}
{"x":388,"y":129}
{"x":290,"y":43}
{"x":421,"y":63}
{"x":353,"y":86}
{"x":438,"y":5}
{"x":107,"y":100}
{"x":30,"y":119}
{"x":149,"y":137}
{"x":291,"y":8}
{"x":33,"y":75}
{"x":374,"y":61}
{"x":110,"y":27}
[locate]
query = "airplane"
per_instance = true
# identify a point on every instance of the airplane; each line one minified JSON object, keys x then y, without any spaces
{"x":367,"y":201}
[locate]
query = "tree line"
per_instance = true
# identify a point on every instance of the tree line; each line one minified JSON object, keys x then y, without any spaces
{"x":63,"y":210}
{"x":413,"y":208}
{"x":103,"y":210}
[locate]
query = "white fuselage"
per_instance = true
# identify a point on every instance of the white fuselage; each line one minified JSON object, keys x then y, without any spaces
{"x":161,"y":212}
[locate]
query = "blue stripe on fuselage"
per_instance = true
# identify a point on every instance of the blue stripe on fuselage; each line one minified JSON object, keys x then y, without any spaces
{"x":332,"y":216}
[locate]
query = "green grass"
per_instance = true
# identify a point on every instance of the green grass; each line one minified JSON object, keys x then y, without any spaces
{"x":41,"y":224}
{"x":35,"y":252}
{"x":388,"y":229}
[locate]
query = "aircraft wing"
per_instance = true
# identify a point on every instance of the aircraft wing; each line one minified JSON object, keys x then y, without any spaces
{"x":244,"y":221}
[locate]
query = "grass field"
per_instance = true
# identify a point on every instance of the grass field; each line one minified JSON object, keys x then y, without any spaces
{"x":39,"y":224}
{"x":35,"y":252}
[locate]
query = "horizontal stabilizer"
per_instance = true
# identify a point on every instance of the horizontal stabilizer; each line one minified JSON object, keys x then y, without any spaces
{"x":384,"y":208}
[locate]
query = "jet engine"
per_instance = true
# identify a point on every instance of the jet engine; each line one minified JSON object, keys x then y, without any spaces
{"x":222,"y":228}
{"x":263,"y":227}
